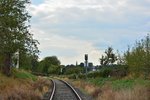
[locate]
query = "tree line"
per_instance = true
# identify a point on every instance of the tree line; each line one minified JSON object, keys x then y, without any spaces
{"x":137,"y":58}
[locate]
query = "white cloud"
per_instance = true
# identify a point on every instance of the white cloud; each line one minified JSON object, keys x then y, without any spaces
{"x":64,"y":45}
{"x":71,"y":28}
{"x":110,"y":11}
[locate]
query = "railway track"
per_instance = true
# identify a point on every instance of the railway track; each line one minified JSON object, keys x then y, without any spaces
{"x":63,"y":91}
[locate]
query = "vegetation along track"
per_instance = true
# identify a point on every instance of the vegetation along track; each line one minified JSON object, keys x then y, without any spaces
{"x":63,"y":91}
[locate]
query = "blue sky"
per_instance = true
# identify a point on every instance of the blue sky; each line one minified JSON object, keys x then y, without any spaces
{"x":71,"y":28}
{"x":37,"y":2}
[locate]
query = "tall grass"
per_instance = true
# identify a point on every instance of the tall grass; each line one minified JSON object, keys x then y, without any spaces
{"x":137,"y":93}
{"x":22,"y":86}
{"x":115,"y":89}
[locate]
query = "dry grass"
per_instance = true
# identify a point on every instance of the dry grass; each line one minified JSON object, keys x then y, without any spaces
{"x":106,"y":92}
{"x":87,"y":88}
{"x":137,"y":93}
{"x":22,"y":89}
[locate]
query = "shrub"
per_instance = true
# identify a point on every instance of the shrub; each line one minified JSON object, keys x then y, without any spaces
{"x":73,"y":76}
{"x":123,"y":84}
{"x":94,"y":74}
{"x":113,"y":71}
{"x":138,"y":58}
{"x":73,"y":70}
{"x":23,"y":74}
{"x":119,"y":71}
{"x":106,"y":72}
{"x":82,"y":76}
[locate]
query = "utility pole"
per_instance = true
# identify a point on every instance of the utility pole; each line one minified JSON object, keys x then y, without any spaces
{"x":17,"y":56}
{"x":86,"y":64}
{"x":76,"y":63}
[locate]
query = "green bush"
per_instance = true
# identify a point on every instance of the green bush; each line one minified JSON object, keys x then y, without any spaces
{"x":123,"y":84}
{"x":23,"y":75}
{"x":119,"y":71}
{"x":73,"y":76}
{"x":73,"y":70}
{"x":94,"y":74}
{"x":106,"y":72}
{"x":100,"y":81}
{"x":112,"y":71}
{"x":82,"y":76}
{"x":115,"y":71}
{"x":138,"y":58}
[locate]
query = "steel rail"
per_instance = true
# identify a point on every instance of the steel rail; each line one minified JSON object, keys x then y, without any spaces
{"x":53,"y":90}
{"x":74,"y":91}
{"x":68,"y":85}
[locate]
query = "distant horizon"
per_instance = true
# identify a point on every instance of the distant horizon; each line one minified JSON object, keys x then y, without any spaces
{"x":71,"y":28}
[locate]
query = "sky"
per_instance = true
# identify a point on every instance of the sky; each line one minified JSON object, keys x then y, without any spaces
{"x":69,"y":29}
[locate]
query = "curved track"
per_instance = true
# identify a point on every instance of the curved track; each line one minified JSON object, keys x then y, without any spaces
{"x":63,"y":91}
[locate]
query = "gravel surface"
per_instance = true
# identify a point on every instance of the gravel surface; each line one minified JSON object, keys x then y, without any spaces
{"x":63,"y":92}
{"x":83,"y":95}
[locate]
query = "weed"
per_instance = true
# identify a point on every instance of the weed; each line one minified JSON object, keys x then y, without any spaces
{"x":24,"y":75}
{"x":22,"y":87}
{"x":115,"y":89}
{"x":123,"y":84}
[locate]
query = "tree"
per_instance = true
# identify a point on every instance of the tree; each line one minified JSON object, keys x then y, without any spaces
{"x":28,"y":61}
{"x":49,"y":65}
{"x":53,"y":69}
{"x":110,"y":57}
{"x":102,"y":60}
{"x":138,"y":58}
{"x":120,"y":59}
{"x":14,"y":31}
{"x":73,"y":70}
{"x":81,"y":64}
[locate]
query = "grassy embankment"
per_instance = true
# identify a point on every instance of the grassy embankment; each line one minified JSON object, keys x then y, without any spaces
{"x":22,"y":85}
{"x":115,"y":89}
